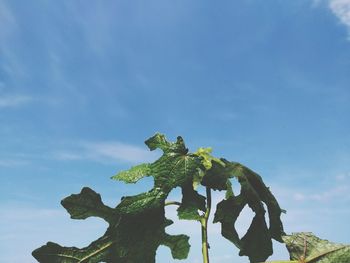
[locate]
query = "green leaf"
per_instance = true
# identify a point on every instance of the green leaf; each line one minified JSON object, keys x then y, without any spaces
{"x":178,"y":244}
{"x":173,"y":170}
{"x":311,"y":249}
{"x":229,"y":191}
{"x":175,"y":167}
{"x":134,"y":174}
{"x":98,"y":251}
{"x":87,"y":203}
{"x":197,"y":178}
{"x":255,"y":181}
{"x":135,"y":231}
{"x":191,"y":203}
{"x":141,"y":203}
{"x":257,"y":243}
{"x":207,"y":158}
{"x":227,"y":212}
{"x":159,"y":141}
{"x":217,"y":177}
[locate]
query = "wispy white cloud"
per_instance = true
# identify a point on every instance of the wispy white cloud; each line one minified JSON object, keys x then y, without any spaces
{"x":106,"y":152}
{"x":14,"y":101}
{"x":340,"y":191}
{"x":341,"y":8}
{"x":120,"y":151}
{"x":325,"y":189}
{"x":336,"y":189}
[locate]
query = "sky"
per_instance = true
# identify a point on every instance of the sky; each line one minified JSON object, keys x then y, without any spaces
{"x":84,"y":83}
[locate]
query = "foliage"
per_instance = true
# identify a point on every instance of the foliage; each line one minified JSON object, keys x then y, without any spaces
{"x":137,"y":224}
{"x":307,"y":248}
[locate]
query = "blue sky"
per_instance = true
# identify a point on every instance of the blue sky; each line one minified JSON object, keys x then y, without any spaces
{"x":84,"y":83}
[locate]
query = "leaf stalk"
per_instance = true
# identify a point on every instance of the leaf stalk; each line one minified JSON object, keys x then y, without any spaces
{"x":172,"y":203}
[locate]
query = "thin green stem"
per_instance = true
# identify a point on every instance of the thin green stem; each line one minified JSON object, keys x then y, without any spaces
{"x":172,"y":203}
{"x":204,"y":224}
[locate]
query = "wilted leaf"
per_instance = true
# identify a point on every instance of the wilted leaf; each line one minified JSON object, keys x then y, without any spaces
{"x":264,"y":193}
{"x":227,"y":212}
{"x":257,"y":243}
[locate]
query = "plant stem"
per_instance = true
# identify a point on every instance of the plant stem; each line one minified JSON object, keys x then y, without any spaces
{"x":204,"y":224}
{"x":172,"y":203}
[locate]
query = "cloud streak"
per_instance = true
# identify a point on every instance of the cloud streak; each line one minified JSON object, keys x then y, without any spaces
{"x":341,"y":8}
{"x":106,"y":152}
{"x":334,"y":193}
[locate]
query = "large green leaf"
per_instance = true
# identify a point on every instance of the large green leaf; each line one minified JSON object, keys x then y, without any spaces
{"x":135,"y":231}
{"x":306,"y":247}
{"x":174,"y":168}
